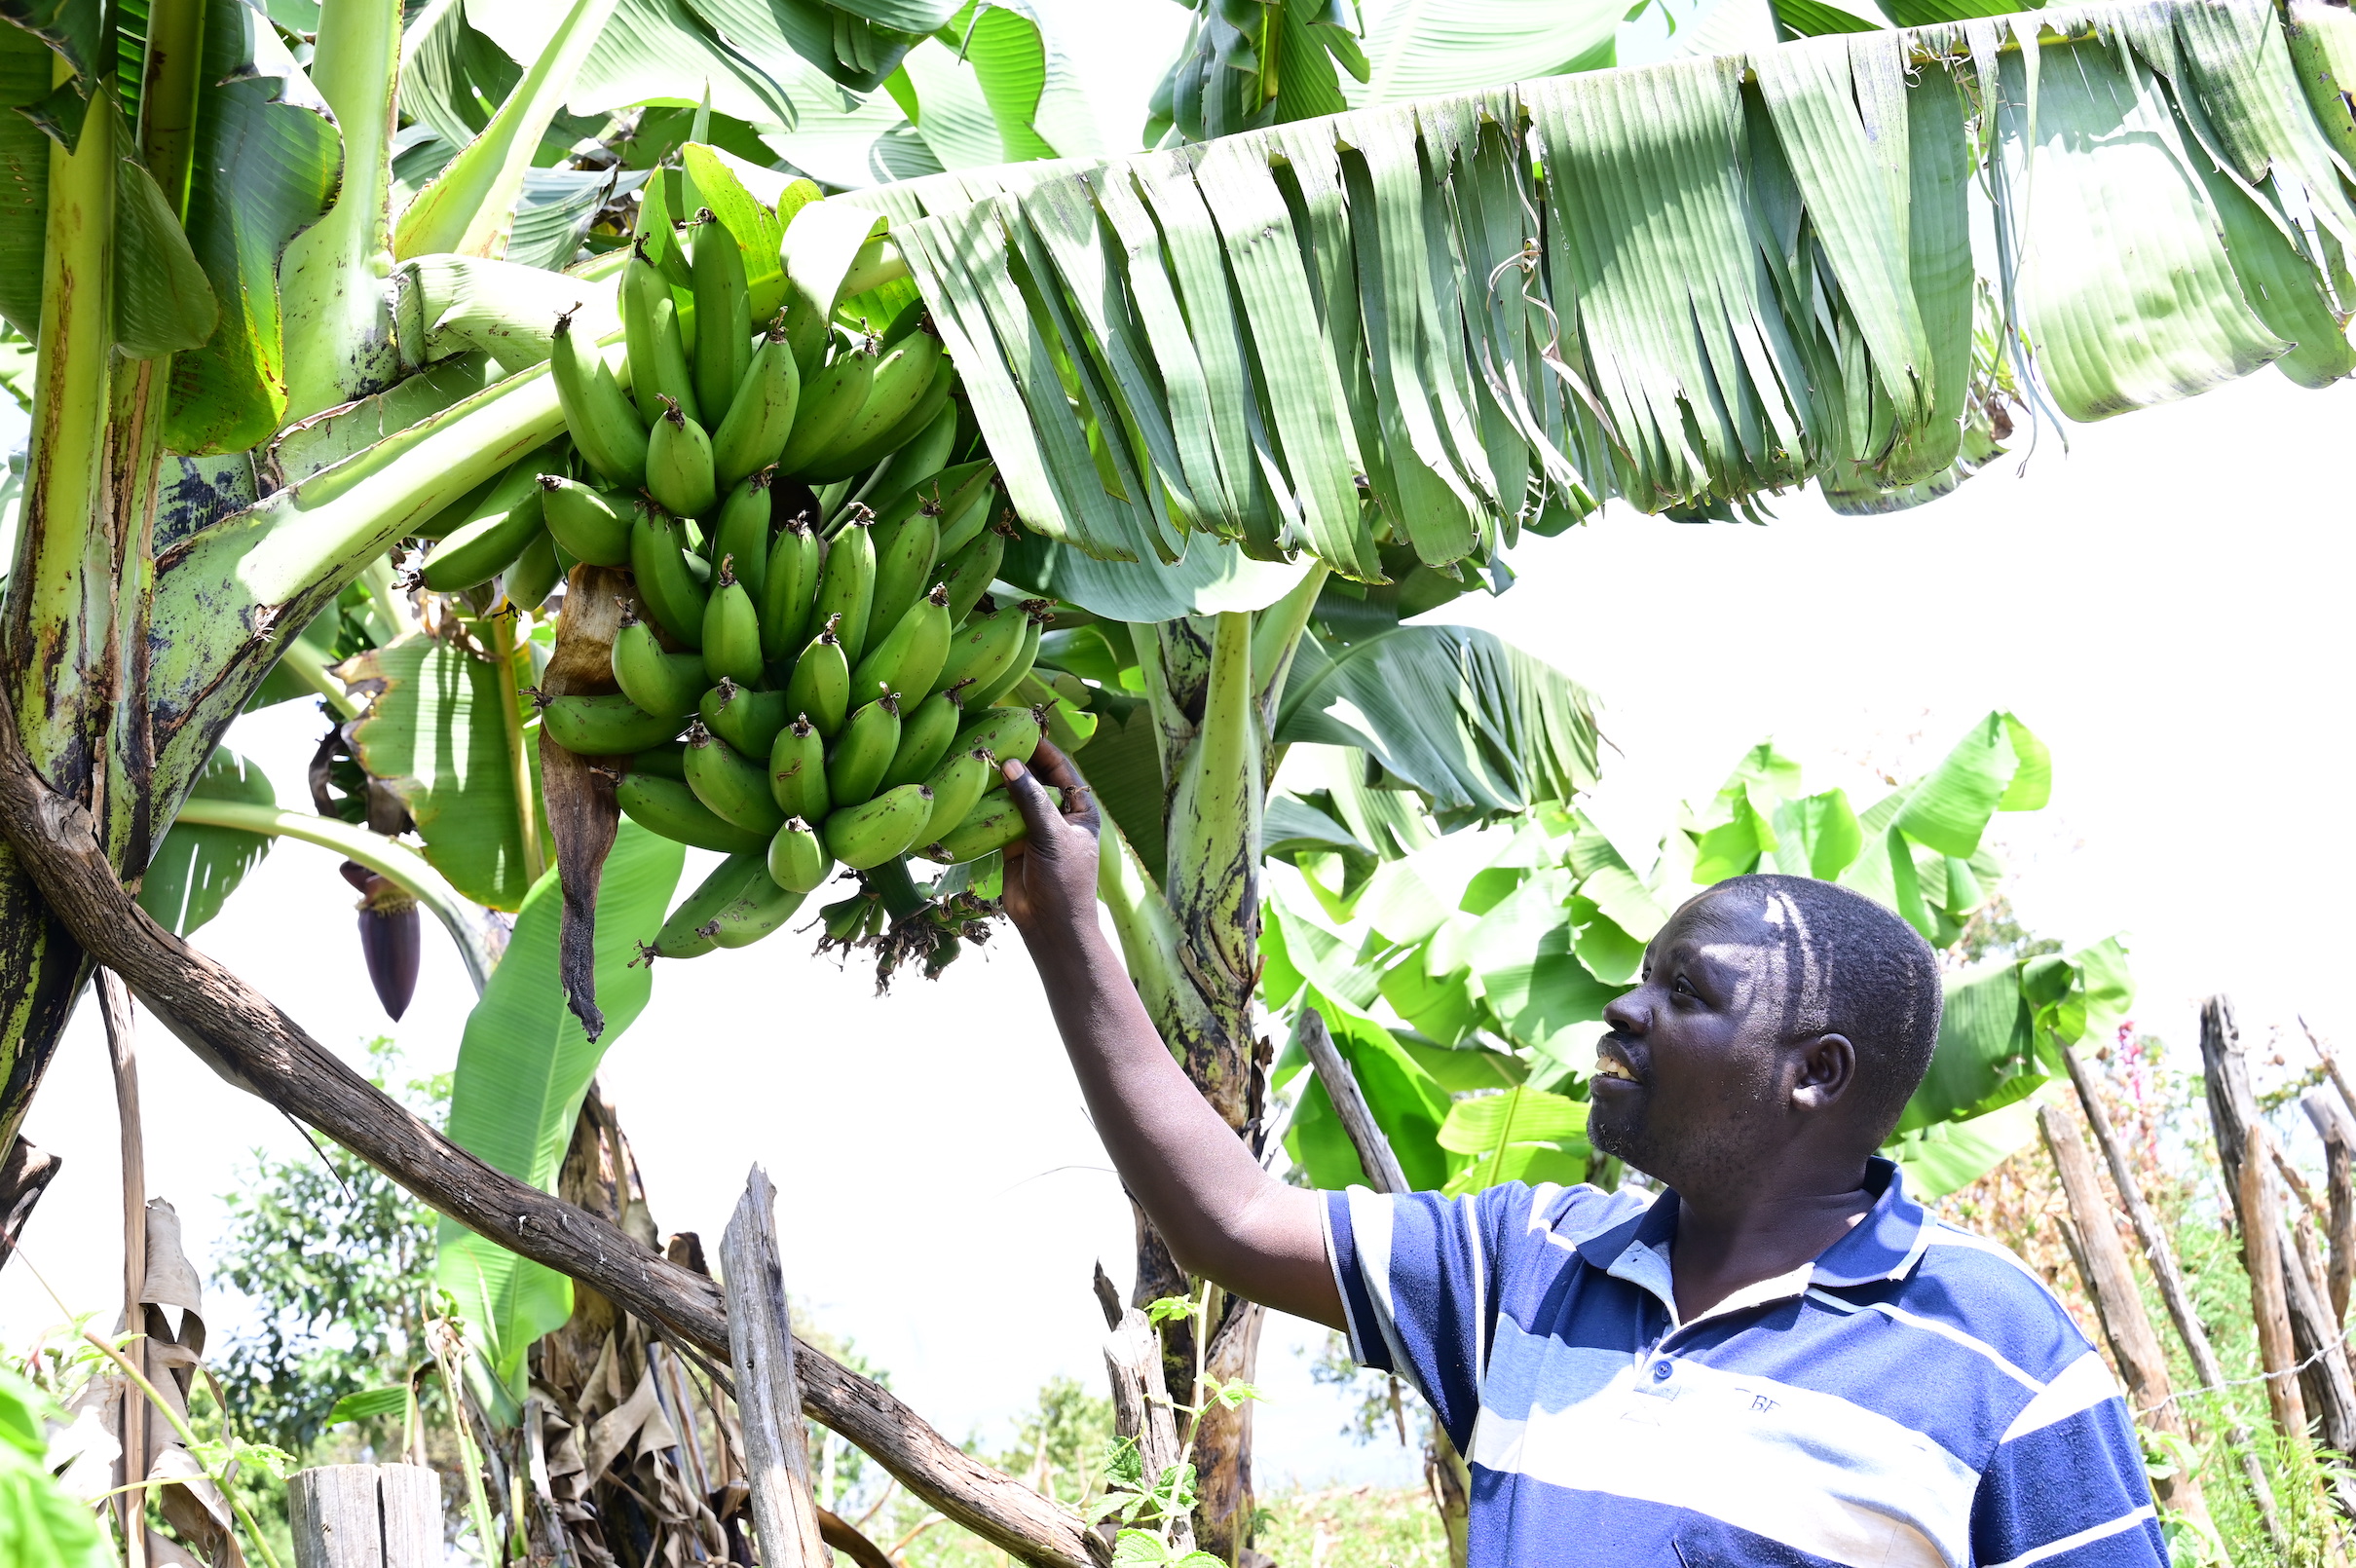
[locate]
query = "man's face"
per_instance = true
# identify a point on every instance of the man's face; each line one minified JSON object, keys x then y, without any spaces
{"x":1692,"y":1084}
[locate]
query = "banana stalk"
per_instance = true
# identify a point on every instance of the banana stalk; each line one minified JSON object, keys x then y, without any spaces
{"x":339,"y":327}
{"x":387,"y":857}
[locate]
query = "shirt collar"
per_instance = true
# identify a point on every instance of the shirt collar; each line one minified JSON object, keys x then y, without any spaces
{"x":1885,"y":1245}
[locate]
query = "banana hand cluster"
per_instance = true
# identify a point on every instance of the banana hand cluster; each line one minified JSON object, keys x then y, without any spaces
{"x":816,"y":677}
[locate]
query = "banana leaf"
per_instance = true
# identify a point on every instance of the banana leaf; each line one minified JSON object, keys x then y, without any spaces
{"x":434,"y":732}
{"x":1522,"y":1134}
{"x":523,"y":1065}
{"x":1409,"y":1105}
{"x":1478,"y":725}
{"x":195,"y":868}
{"x":1685,"y":286}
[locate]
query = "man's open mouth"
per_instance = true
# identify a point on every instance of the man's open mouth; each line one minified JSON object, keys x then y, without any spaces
{"x":1611,"y":1067}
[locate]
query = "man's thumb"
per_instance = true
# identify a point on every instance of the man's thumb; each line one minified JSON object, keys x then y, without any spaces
{"x":1040,"y":815}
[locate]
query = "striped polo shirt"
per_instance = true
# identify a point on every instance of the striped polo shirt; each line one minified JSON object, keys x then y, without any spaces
{"x":1914,"y":1397}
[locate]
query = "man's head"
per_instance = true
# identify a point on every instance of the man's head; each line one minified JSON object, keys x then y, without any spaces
{"x":1776,"y":1017}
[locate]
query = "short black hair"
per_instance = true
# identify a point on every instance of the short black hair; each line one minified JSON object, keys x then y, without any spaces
{"x":1861,"y":971}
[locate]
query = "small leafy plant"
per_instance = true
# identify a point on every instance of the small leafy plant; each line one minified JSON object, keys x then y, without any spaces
{"x":1163,"y":1500}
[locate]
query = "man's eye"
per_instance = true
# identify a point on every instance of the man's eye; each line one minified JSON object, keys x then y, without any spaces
{"x":1682,"y":988}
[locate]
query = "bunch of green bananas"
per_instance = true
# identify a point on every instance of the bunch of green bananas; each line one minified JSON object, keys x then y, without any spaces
{"x":816,"y":677}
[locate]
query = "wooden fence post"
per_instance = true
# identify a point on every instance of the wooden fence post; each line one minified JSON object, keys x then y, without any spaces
{"x":365,"y":1516}
{"x":1141,"y":1397}
{"x":2326,"y":1384}
{"x":2111,"y":1283}
{"x":2165,"y":1272}
{"x":2269,"y":1304}
{"x":2337,"y":1130}
{"x":1449,"y":1477}
{"x":768,"y":1395}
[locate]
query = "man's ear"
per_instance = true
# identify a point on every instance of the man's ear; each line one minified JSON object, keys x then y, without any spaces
{"x":1828,"y":1070}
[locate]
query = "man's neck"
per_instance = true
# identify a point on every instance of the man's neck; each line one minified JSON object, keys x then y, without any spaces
{"x":1732,"y":1238}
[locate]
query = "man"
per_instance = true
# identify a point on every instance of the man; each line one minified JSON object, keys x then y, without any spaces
{"x":1780,"y":1360}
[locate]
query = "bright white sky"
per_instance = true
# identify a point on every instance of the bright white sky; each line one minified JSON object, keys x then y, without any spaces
{"x":2164,"y":604}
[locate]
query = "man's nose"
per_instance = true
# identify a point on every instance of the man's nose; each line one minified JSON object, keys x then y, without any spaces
{"x":1626,"y":1014}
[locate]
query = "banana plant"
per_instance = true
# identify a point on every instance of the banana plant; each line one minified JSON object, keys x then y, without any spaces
{"x":1492,"y":959}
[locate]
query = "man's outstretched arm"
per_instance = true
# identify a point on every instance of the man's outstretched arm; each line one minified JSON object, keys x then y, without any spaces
{"x":1223,"y":1215}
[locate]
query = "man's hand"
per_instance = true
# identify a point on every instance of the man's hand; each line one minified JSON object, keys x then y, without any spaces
{"x":1222,"y":1214}
{"x":1051,"y":873}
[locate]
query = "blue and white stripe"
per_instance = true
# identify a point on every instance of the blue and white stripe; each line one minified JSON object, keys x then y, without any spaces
{"x":1916,"y":1399}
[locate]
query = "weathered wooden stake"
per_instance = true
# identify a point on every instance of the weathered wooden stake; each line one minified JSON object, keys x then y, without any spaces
{"x":2337,"y":1130}
{"x":2170,"y":1278}
{"x":1140,"y":1395}
{"x":2262,"y":1247}
{"x":365,"y":1516}
{"x":768,"y":1395}
{"x":1450,"y":1478}
{"x":2111,"y":1283}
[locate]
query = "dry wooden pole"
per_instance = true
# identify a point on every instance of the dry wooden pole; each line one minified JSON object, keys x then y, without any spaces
{"x":252,"y":1044}
{"x":768,"y":1395}
{"x":1383,"y":1170}
{"x":2262,"y":1247}
{"x":1448,"y":1476}
{"x":1141,"y":1397}
{"x":2161,"y":1254}
{"x":2112,"y":1282}
{"x":2337,"y":1129}
{"x":2326,"y":1387}
{"x":365,"y":1516}
{"x":114,"y":1008}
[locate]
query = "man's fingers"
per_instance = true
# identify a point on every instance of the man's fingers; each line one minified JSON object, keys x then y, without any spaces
{"x":1038,"y":808}
{"x":1079,"y":800}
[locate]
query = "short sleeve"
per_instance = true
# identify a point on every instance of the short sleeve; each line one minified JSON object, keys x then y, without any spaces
{"x":1418,"y":1276}
{"x":2066,"y":1485}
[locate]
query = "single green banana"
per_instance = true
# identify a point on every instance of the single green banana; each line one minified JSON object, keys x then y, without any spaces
{"x":901,"y":379}
{"x":732,"y":630}
{"x":994,"y":824}
{"x":982,"y":648}
{"x":754,"y":435}
{"x":857,"y":761}
{"x":761,"y":908}
{"x":912,"y":654}
{"x":588,"y":522}
{"x":731,"y":784}
{"x":925,"y":736}
{"x":917,"y":462}
{"x":666,"y":582}
{"x":454,"y":515}
{"x":669,"y":807}
{"x":603,"y":726}
{"x":831,"y":399}
{"x":748,"y":720}
{"x":907,"y":549}
{"x":724,"y":316}
{"x":1010,"y":735}
{"x":791,"y":582}
{"x":649,"y":328}
{"x":743,"y":532}
{"x":847,"y":582}
{"x":505,"y":520}
{"x":965,"y":517}
{"x":679,"y":465}
{"x":694,"y":928}
{"x":843,"y":918}
{"x":970,"y":571}
{"x":656,"y":682}
{"x":874,"y":830}
{"x":798,"y":857}
{"x":604,"y":421}
{"x":667,"y":761}
{"x":535,"y":574}
{"x":880,"y":446}
{"x":798,"y":771}
{"x":957,"y":783}
{"x":821,"y":685}
{"x":992,"y":692}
